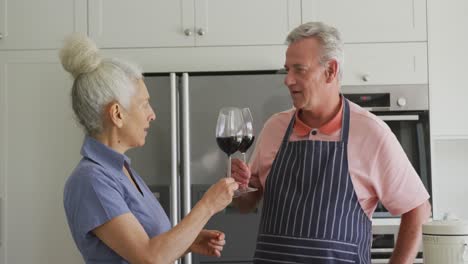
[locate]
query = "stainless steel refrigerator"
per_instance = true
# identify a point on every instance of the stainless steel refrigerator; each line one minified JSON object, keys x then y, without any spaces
{"x":181,"y":158}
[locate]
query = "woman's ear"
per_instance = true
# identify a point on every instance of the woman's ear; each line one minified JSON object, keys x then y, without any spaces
{"x":116,"y":115}
{"x":332,"y":71}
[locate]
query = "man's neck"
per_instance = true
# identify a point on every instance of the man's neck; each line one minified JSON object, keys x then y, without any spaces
{"x":316,"y":118}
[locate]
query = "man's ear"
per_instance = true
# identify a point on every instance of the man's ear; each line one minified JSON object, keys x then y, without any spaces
{"x":116,"y":115}
{"x":332,"y":70}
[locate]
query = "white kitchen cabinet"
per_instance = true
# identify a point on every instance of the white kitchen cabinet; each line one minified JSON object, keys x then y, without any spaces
{"x":370,"y":20}
{"x":158,"y":23}
{"x":447,"y":45}
{"x":31,"y":24}
{"x":40,"y":146}
{"x":141,"y":23}
{"x":385,"y":63}
{"x":245,"y":22}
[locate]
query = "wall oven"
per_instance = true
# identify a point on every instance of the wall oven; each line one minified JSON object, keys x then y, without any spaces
{"x":405,"y":109}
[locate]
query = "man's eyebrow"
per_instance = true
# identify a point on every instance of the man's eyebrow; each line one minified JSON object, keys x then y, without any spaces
{"x":296,"y":65}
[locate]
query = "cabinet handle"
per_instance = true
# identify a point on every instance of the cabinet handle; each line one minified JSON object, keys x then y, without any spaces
{"x":188,"y":32}
{"x":201,"y":32}
{"x":366,"y":77}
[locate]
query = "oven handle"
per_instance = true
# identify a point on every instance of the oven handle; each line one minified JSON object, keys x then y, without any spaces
{"x":399,"y":117}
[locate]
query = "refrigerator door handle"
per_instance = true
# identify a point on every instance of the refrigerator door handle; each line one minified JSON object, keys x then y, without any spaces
{"x":174,"y":148}
{"x":186,"y":152}
{"x":175,"y":205}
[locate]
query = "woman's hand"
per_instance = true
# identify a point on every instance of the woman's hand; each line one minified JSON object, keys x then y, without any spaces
{"x":209,"y":243}
{"x":219,"y":195}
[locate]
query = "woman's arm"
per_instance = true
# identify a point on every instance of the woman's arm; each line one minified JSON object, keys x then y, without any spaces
{"x":125,"y":235}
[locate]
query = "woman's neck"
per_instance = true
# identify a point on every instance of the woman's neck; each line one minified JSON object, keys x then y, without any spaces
{"x":110,"y":138}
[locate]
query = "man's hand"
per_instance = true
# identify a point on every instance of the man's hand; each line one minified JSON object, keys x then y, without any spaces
{"x":240,"y":172}
{"x":209,"y":243}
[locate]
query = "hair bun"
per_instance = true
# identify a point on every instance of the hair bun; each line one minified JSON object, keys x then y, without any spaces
{"x":79,"y":55}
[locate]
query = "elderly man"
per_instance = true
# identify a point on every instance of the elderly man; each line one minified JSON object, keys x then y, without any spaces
{"x":323,"y":166}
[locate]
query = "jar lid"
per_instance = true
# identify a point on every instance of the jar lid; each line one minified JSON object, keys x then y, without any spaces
{"x":452,"y":227}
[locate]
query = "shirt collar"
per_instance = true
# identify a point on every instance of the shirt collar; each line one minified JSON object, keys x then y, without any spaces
{"x":302,"y":130}
{"x":102,"y":154}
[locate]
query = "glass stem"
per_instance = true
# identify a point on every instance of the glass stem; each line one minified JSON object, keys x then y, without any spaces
{"x":229,"y":166}
{"x":243,"y":156}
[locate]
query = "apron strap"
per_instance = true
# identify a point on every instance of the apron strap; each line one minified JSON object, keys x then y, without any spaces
{"x":345,"y":121}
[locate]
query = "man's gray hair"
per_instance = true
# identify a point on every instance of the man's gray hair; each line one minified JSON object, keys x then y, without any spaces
{"x":97,"y":81}
{"x":328,"y":36}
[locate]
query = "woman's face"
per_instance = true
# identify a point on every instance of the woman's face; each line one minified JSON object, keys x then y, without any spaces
{"x":137,"y":118}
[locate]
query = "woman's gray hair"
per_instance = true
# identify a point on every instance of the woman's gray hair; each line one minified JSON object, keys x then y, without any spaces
{"x":97,"y":81}
{"x":329,"y":37}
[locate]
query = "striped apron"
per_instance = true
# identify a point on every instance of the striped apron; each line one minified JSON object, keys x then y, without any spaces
{"x":311,"y":213}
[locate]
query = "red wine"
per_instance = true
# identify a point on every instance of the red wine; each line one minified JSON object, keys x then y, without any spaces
{"x":229,"y":145}
{"x":246,"y":143}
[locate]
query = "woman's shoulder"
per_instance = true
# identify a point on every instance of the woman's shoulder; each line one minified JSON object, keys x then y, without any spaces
{"x":88,"y":174}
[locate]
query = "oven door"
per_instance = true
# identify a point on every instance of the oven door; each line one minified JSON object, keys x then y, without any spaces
{"x":412,"y":131}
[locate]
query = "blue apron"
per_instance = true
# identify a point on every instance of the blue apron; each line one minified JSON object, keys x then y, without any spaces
{"x":311,"y":213}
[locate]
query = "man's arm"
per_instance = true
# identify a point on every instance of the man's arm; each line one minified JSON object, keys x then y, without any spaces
{"x":410,"y":233}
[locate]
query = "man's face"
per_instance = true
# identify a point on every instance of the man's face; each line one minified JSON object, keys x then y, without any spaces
{"x":306,"y":78}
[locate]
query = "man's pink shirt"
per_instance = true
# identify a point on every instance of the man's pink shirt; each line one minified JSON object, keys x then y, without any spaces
{"x":379,"y":167}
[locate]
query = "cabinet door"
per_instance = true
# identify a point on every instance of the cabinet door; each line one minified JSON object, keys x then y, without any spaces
{"x":141,"y":23}
{"x":40,"y":146}
{"x":30,"y":24}
{"x":370,"y":20}
{"x":447,"y":69}
{"x":449,"y":179}
{"x":245,"y":22}
{"x":385,"y":63}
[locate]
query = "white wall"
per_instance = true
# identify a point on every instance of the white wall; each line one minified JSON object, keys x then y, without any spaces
{"x":39,"y":147}
{"x":448,"y":72}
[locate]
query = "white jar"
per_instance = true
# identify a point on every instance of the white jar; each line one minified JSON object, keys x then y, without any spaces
{"x":445,"y":242}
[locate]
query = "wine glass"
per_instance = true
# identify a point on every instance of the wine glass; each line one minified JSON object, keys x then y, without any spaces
{"x":247,"y":140}
{"x":229,"y":131}
{"x":248,"y":135}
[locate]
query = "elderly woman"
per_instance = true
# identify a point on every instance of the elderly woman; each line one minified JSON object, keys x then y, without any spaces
{"x":112,"y":214}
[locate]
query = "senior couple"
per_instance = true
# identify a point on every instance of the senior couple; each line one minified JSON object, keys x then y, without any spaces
{"x":320,"y":169}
